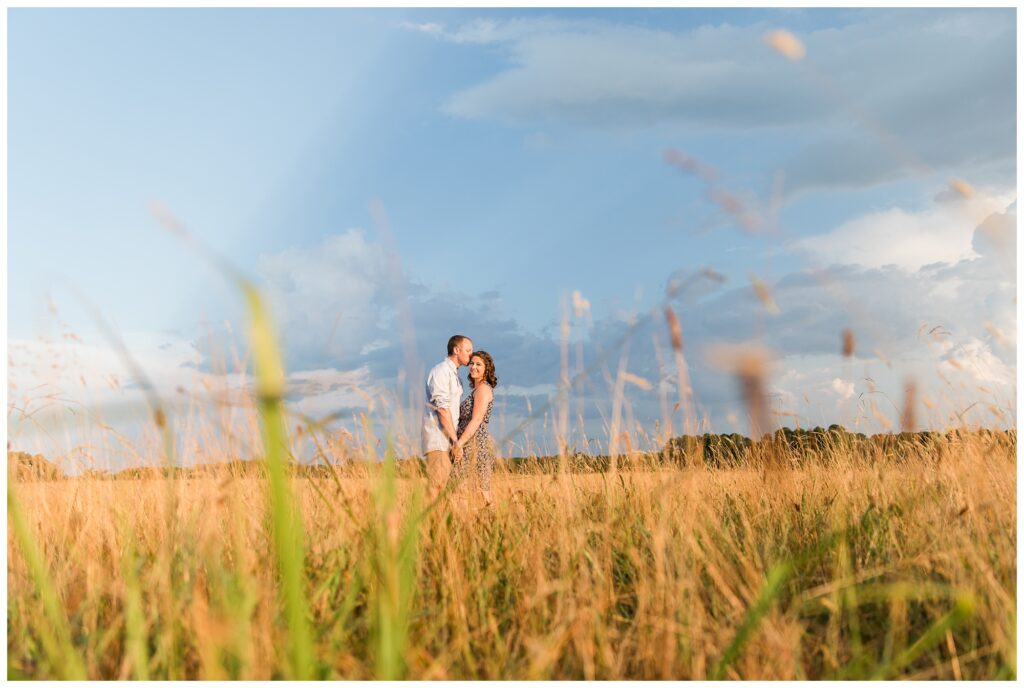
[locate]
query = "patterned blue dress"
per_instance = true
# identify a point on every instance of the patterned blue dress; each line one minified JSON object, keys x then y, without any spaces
{"x":479,"y":449}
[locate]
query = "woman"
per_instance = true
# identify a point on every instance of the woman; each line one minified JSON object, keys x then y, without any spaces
{"x":474,"y":415}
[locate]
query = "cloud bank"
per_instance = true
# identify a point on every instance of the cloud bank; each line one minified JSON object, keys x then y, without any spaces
{"x":950,"y":326}
{"x":888,"y":95}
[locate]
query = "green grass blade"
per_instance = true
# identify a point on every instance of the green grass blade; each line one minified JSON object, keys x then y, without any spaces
{"x":134,"y":619}
{"x":777,"y":577}
{"x":395,"y":563}
{"x":962,"y":609}
{"x":55,"y":634}
{"x":289,"y":536}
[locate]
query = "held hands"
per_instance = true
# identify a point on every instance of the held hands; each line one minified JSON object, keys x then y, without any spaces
{"x":456,"y":451}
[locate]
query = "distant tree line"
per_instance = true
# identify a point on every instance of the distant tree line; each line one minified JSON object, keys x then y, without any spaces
{"x":817,"y":444}
{"x":783,"y":447}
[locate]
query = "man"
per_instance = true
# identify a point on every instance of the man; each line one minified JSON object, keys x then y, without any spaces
{"x":441,"y":413}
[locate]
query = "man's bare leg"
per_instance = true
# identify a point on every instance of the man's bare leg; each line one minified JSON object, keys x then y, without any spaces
{"x":439,"y":467}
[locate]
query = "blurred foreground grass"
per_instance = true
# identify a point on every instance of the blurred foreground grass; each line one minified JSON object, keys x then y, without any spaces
{"x":839,"y":561}
{"x":840,"y":568}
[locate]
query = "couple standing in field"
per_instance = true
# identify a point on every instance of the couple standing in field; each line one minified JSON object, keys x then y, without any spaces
{"x":455,"y":430}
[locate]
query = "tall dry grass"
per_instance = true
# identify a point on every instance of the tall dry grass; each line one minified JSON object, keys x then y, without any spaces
{"x":836,"y":567}
{"x":844,"y":564}
{"x":839,"y":569}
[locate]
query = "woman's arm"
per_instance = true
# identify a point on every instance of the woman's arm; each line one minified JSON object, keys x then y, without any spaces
{"x":482,"y":396}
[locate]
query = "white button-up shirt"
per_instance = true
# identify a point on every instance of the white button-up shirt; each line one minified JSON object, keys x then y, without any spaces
{"x":444,"y":390}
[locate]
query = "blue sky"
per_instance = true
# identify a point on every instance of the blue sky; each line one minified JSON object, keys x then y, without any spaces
{"x":520,"y":155}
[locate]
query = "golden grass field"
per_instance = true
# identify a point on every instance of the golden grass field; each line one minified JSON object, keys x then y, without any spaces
{"x":839,"y":565}
{"x":835,"y":563}
{"x":842,"y":568}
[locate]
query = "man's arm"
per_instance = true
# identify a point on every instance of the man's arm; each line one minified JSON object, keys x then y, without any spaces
{"x":447,"y":427}
{"x":441,"y":398}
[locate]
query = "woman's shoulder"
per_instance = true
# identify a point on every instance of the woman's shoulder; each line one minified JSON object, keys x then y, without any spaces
{"x":484,"y":390}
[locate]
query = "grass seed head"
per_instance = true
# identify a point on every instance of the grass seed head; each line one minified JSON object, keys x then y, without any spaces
{"x":675,"y":330}
{"x":689,"y":165}
{"x":735,"y":207}
{"x":764,"y":295}
{"x":961,"y":187}
{"x":580,"y":305}
{"x":637,"y":380}
{"x":786,"y":44}
{"x":909,"y":416}
{"x":749,"y":364}
{"x":848,"y":342}
{"x":166,"y":219}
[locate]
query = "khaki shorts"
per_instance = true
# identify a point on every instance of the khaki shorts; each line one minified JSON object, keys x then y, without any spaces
{"x":439,"y":467}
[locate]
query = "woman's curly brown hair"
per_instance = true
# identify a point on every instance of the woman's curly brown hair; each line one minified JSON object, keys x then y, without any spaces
{"x":489,"y":376}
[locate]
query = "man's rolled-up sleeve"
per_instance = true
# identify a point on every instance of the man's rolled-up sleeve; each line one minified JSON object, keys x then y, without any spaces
{"x":440,"y":394}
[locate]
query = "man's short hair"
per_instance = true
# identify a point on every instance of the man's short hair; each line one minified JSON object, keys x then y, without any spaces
{"x":455,"y":341}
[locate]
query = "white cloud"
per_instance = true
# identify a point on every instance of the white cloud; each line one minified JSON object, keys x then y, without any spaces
{"x":317,"y":393}
{"x":821,"y":390}
{"x":324,"y":297}
{"x":975,"y":361}
{"x":546,"y":390}
{"x":489,"y":31}
{"x":375,"y":345}
{"x":951,"y":339}
{"x":92,"y":372}
{"x":941,"y":233}
{"x":430,"y":28}
{"x":602,"y":74}
{"x":48,"y":376}
{"x":843,"y":388}
{"x":884,"y":96}
{"x":950,"y":326}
